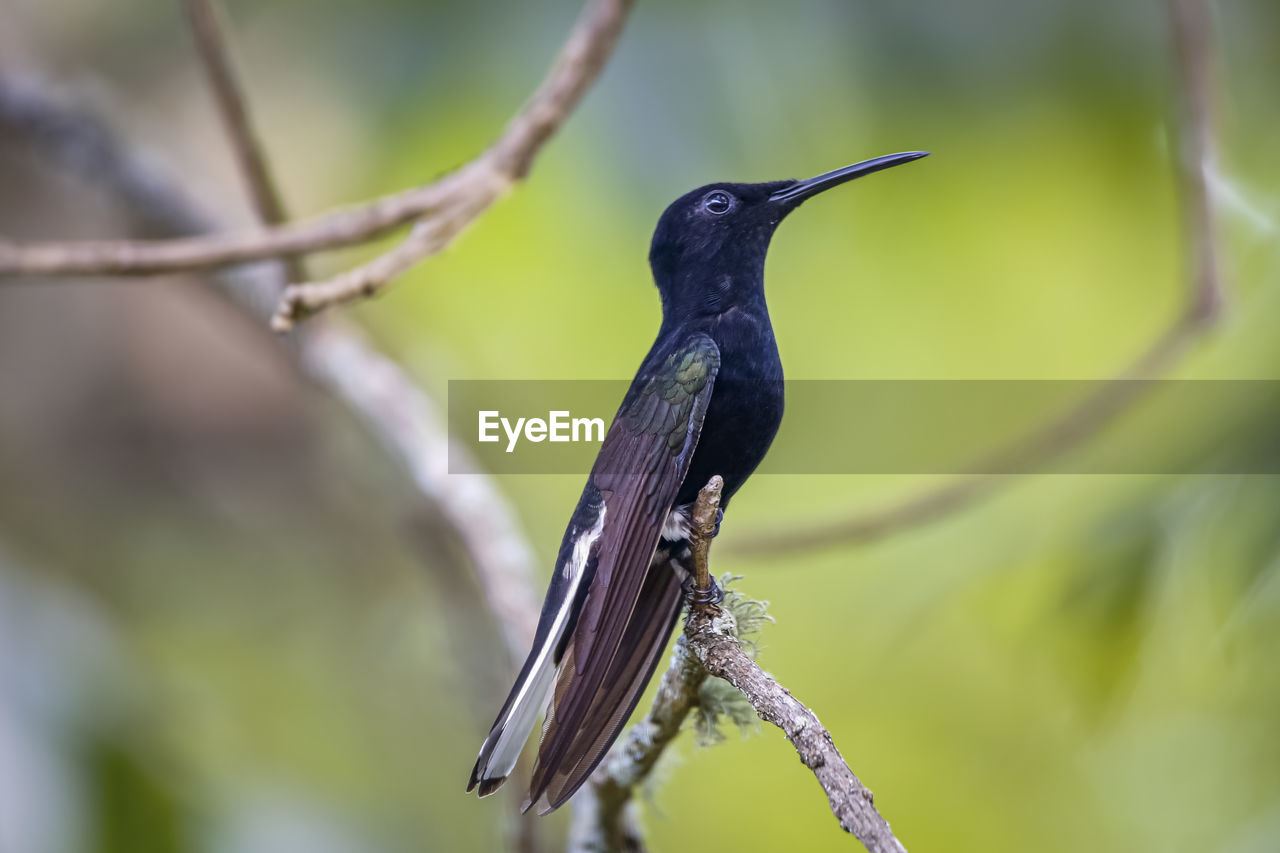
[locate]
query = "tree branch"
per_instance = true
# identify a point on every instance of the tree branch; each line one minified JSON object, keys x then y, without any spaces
{"x":426,"y":238}
{"x":447,"y":205}
{"x":1189,"y":27}
{"x":604,"y":813}
{"x":332,"y":230}
{"x":712,"y":639}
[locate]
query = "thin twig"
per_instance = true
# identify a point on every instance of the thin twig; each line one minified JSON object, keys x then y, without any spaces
{"x":455,"y":199}
{"x":426,"y":238}
{"x":207,"y":21}
{"x":1191,"y":37}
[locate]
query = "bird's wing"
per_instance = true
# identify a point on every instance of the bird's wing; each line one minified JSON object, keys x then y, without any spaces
{"x":630,"y":606}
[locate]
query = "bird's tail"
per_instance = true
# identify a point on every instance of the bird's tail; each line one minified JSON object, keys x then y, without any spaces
{"x":583,"y":722}
{"x":515,"y":722}
{"x":529,"y":695}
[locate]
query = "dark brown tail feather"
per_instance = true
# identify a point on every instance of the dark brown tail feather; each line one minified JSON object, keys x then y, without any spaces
{"x":568,"y":754}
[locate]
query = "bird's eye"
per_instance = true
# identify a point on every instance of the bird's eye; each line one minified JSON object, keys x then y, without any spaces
{"x":717,"y":202}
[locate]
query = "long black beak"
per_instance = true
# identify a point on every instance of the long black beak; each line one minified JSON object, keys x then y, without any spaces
{"x":801,"y":190}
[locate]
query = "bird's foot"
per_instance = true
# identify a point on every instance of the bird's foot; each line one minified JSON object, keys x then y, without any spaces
{"x":719,"y":519}
{"x":713,"y":594}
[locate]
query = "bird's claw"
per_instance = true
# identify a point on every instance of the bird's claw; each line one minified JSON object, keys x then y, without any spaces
{"x":711,"y":595}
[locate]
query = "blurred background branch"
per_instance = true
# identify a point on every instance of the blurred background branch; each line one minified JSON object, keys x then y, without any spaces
{"x":207,"y":21}
{"x":335,"y":356}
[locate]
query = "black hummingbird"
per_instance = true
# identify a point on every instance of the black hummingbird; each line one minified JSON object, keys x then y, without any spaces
{"x":706,"y":400}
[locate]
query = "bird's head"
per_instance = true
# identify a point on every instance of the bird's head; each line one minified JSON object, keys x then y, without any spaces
{"x":709,"y":247}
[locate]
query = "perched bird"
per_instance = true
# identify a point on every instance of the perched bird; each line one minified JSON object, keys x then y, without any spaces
{"x":706,"y":400}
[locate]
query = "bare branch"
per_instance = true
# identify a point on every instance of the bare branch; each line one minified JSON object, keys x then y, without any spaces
{"x":577,"y":65}
{"x":455,"y":199}
{"x":1192,"y":42}
{"x":426,"y":238}
{"x":851,"y":802}
{"x":333,"y":230}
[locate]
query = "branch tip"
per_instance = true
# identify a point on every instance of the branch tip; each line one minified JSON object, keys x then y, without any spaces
{"x":705,"y":518}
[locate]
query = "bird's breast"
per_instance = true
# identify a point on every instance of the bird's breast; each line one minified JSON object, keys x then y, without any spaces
{"x":745,"y":409}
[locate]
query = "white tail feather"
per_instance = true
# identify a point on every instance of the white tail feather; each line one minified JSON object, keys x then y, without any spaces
{"x":502,"y":747}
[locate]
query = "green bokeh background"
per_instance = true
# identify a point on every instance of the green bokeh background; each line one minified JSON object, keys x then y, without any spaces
{"x":222,"y":633}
